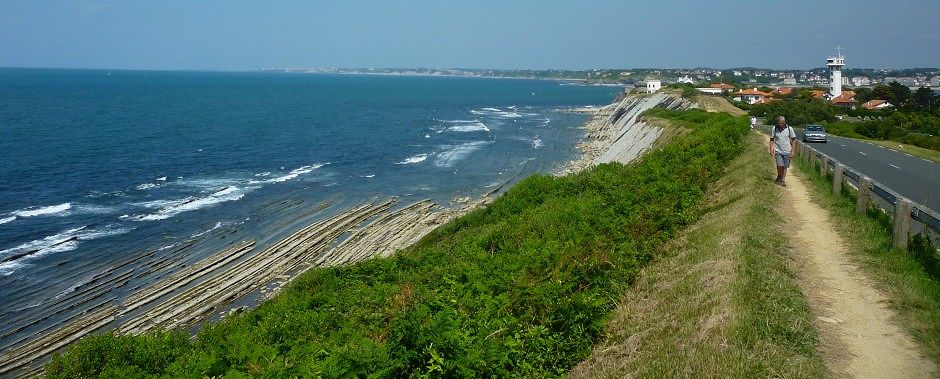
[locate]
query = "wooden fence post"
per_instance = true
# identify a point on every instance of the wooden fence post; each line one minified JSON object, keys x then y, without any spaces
{"x":837,"y":178}
{"x":812,"y":160}
{"x":864,"y":195}
{"x":902,"y":223}
{"x":823,"y":165}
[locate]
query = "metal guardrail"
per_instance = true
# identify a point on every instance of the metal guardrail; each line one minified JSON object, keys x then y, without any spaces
{"x":908,"y":217}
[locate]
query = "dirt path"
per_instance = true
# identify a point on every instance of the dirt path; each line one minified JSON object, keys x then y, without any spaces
{"x":857,"y":339}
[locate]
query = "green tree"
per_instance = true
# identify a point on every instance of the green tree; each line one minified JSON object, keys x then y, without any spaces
{"x":900,"y":94}
{"x":924,"y":99}
{"x":883,"y":92}
{"x":863,"y":94}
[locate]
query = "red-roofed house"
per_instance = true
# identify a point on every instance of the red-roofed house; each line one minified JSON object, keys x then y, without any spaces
{"x":750,"y":96}
{"x":782,"y":91}
{"x":845,"y":100}
{"x":818,"y":94}
{"x":876,"y":104}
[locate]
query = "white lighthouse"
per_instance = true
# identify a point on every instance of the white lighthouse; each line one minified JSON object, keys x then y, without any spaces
{"x":835,"y":73}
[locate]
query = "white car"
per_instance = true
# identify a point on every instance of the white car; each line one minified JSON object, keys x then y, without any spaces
{"x":815,"y":133}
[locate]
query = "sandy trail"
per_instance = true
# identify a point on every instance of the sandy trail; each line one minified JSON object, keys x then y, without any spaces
{"x":857,"y":339}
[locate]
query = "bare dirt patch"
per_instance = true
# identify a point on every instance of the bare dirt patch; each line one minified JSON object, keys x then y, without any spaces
{"x":857,"y":337}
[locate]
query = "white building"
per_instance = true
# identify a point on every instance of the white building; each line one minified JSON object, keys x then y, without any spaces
{"x":835,"y":73}
{"x":650,"y":85}
{"x":935,"y":81}
{"x":858,"y":81}
{"x":789,"y":82}
{"x":685,"y":79}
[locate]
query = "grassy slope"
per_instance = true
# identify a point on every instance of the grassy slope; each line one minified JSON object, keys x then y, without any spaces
{"x":915,"y":296}
{"x":719,"y":300}
{"x":523,"y":287}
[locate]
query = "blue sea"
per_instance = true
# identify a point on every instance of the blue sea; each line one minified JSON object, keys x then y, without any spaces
{"x":99,"y":165}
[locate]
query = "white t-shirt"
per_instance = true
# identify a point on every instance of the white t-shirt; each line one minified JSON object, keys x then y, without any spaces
{"x":781,"y":142}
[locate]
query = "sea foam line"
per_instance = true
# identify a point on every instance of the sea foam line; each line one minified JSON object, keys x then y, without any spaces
{"x":67,"y":240}
{"x":414,"y":159}
{"x":453,"y":154}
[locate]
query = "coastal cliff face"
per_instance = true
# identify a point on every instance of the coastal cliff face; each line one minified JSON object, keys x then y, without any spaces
{"x":617,"y":134}
{"x":204,"y":290}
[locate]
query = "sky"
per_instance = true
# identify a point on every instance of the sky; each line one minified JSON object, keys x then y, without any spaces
{"x":546,"y":34}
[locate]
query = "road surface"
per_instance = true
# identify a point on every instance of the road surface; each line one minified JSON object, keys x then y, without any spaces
{"x":914,"y":178}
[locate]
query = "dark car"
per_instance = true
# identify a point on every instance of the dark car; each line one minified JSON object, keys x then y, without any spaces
{"x":815,"y":133}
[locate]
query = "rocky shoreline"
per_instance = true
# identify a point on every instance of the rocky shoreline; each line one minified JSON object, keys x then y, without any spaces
{"x":188,"y":295}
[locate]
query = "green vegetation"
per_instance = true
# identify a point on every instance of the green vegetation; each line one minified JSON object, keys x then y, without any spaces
{"x":918,"y":129}
{"x":904,"y":276}
{"x":719,"y":300}
{"x":523,"y":287}
{"x":799,"y":111}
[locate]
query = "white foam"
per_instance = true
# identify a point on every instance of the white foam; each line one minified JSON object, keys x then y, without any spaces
{"x":8,"y":268}
{"x":492,"y":109}
{"x":60,"y":209}
{"x":459,"y":121}
{"x":170,"y":208}
{"x":368,"y":176}
{"x":94,"y":209}
{"x":7,"y":220}
{"x":415,"y":159}
{"x":537,"y":143}
{"x":293,"y":174}
{"x":454,"y":153}
{"x":57,"y":243}
{"x":468,"y":128}
{"x":263,"y":174}
{"x":146,"y":186}
{"x":161,"y":179}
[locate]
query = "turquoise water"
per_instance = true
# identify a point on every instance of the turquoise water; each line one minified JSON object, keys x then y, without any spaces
{"x":99,"y":166}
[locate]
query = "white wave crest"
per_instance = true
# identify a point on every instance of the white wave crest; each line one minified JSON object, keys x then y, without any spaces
{"x":60,"y":209}
{"x":459,"y":121}
{"x":415,"y":159}
{"x":170,"y":208}
{"x":146,"y":186}
{"x":468,"y":128}
{"x":452,"y":154}
{"x":57,"y":243}
{"x":537,"y":143}
{"x":94,"y":209}
{"x":292,"y":174}
{"x":7,"y":220}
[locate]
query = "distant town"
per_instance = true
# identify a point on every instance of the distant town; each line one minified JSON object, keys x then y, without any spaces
{"x":853,"y":77}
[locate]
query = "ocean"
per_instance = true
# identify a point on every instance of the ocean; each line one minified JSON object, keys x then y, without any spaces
{"x":101,"y":166}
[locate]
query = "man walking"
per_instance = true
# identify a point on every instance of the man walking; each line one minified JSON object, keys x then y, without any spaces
{"x":782,"y":148}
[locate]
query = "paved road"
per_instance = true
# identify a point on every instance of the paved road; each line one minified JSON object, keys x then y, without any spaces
{"x":914,"y":178}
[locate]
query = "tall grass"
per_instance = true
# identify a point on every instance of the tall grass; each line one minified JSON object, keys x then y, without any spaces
{"x":720,"y":300}
{"x":905,"y":276}
{"x":523,"y":287}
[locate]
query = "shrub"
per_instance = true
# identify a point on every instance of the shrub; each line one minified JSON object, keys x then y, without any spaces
{"x":522,"y":287}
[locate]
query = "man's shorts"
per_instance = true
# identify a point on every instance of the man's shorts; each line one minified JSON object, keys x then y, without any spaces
{"x":783,"y":160}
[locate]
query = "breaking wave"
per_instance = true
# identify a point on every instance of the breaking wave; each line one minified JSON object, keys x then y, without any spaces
{"x":414,"y":159}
